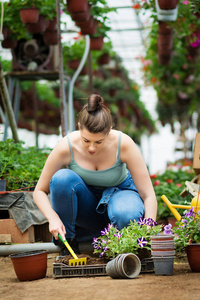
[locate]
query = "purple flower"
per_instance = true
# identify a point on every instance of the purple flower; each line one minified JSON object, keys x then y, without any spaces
{"x":96,"y":244}
{"x":142,"y":221}
{"x":168,"y":229}
{"x":118,"y":235}
{"x":190,"y":213}
{"x":105,"y":231}
{"x":104,"y":250}
{"x":141,"y":242}
{"x":151,"y":222}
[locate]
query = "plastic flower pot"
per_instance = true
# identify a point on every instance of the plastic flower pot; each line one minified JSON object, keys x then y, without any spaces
{"x":162,"y":237}
{"x":124,"y":266}
{"x":30,"y":265}
{"x":163,"y":265}
{"x":163,"y":252}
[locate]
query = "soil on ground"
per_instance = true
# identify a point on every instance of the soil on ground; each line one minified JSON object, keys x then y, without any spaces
{"x":183,"y":284}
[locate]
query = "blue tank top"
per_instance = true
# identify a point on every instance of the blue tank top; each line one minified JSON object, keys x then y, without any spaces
{"x":104,"y":178}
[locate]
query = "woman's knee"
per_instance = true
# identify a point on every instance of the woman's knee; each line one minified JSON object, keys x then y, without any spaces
{"x":64,"y":177}
{"x":125,"y":208}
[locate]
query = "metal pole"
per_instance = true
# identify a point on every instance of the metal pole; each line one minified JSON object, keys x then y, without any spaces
{"x":7,"y":105}
{"x":64,"y":125}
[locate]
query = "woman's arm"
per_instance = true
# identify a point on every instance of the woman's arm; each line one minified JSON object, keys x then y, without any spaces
{"x":57,"y":158}
{"x":130,"y":154}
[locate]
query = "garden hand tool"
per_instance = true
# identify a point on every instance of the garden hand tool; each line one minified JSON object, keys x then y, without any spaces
{"x":76,"y":261}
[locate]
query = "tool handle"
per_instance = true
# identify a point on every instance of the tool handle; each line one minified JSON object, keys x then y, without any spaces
{"x":68,"y":246}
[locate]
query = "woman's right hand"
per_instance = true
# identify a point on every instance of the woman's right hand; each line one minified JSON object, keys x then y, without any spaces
{"x":56,"y":226}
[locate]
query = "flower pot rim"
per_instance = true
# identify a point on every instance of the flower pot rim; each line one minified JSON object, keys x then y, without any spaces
{"x":27,"y":253}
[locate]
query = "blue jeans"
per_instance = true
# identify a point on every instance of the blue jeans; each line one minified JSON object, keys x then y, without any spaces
{"x":85,"y":210}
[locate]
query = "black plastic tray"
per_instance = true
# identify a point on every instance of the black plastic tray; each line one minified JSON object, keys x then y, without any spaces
{"x":62,"y":270}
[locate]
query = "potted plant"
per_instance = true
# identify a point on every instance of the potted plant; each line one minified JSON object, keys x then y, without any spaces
{"x":187,"y":237}
{"x":135,"y":238}
{"x":73,"y":52}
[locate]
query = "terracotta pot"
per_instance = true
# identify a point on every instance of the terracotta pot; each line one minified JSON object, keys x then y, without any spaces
{"x":6,"y":31}
{"x":52,"y":24}
{"x":96,"y":43}
{"x":164,"y":28}
{"x":84,"y":24}
{"x":104,"y":59}
{"x":193,"y":255}
{"x":167,"y":4}
{"x":164,"y":59}
{"x":77,"y":6}
{"x":50,"y":37}
{"x":91,"y":29}
{"x":38,"y":27}
{"x":30,"y":265}
{"x":73,"y":64}
{"x":165,"y":40}
{"x":81,"y":16}
{"x":29,"y":15}
{"x":9,"y":43}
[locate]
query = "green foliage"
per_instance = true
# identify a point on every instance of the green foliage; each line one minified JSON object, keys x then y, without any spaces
{"x":171,"y":183}
{"x":20,"y":166}
{"x":187,"y":229}
{"x":113,"y":242}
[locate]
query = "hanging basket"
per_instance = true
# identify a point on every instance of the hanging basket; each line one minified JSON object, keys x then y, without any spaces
{"x":91,"y":30}
{"x":29,"y":15}
{"x":52,"y":24}
{"x":38,"y":27}
{"x":77,"y":6}
{"x":167,"y":4}
{"x":50,"y":37}
{"x":9,"y":44}
{"x":81,"y":16}
{"x":104,"y":59}
{"x":96,"y":43}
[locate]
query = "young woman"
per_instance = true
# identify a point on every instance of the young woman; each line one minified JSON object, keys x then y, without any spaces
{"x":106,"y":179}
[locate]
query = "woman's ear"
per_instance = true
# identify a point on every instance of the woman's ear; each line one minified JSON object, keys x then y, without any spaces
{"x":79,"y":125}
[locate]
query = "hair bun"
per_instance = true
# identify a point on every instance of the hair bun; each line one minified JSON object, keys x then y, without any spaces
{"x":95,"y":102}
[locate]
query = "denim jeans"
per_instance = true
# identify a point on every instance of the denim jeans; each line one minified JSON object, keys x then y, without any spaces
{"x":85,"y":210}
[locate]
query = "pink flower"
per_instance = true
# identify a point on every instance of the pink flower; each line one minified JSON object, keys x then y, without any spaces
{"x":176,"y":76}
{"x":157,"y":182}
{"x":178,"y":184}
{"x":186,"y":2}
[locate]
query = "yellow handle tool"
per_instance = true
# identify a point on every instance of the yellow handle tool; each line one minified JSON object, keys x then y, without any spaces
{"x":76,"y":261}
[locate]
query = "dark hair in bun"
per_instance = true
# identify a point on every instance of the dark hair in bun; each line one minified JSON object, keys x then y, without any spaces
{"x":95,"y":116}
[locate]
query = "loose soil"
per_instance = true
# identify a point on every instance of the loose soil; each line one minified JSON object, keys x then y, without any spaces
{"x":183,"y":285}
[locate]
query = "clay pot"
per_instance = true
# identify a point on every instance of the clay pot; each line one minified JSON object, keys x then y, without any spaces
{"x":9,"y":43}
{"x":50,"y":37}
{"x":167,"y":4}
{"x":6,"y":31}
{"x":96,"y":43}
{"x":77,"y":6}
{"x":30,"y":265}
{"x":40,"y":26}
{"x":29,"y":15}
{"x":193,"y":255}
{"x":104,"y":59}
{"x":91,"y":29}
{"x":52,"y":24}
{"x":81,"y":16}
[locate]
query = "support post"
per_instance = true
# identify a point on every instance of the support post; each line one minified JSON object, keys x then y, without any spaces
{"x":7,"y":106}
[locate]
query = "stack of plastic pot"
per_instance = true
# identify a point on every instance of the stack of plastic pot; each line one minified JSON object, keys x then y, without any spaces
{"x":126,"y":266}
{"x":163,"y":252}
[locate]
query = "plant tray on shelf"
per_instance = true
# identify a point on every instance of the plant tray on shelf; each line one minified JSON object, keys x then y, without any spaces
{"x":63,"y":270}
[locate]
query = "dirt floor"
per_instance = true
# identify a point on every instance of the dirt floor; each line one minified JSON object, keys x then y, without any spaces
{"x":184,"y":284}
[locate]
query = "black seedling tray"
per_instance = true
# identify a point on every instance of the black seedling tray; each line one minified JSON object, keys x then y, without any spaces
{"x":63,"y":270}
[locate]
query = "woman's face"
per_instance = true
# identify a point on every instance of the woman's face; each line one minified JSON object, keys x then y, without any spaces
{"x":92,"y":142}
